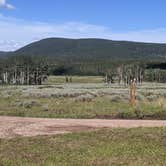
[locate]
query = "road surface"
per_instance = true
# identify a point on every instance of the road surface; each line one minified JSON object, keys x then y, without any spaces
{"x":11,"y":127}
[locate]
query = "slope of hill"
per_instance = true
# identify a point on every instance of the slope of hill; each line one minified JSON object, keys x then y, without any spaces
{"x":87,"y":56}
{"x":2,"y":53}
{"x":61,"y":48}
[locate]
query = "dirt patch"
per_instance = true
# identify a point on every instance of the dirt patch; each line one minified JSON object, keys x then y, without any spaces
{"x":11,"y":127}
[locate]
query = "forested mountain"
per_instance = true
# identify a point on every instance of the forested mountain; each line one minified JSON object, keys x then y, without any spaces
{"x":93,"y":49}
{"x":119,"y":60}
{"x":2,"y":53}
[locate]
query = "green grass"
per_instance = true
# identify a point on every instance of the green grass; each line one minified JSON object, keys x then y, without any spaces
{"x":107,"y":147}
{"x":63,"y":100}
{"x":99,"y":107}
{"x":75,"y":79}
{"x":133,"y":147}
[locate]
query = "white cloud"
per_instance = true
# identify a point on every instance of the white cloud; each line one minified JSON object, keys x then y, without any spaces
{"x":15,"y":33}
{"x":4,"y":4}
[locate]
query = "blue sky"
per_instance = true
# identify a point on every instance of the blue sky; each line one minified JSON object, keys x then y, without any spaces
{"x":25,"y":21}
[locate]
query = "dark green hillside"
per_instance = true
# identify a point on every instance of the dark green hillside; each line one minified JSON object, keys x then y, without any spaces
{"x":88,"y":56}
{"x":2,"y":54}
{"x":93,"y":49}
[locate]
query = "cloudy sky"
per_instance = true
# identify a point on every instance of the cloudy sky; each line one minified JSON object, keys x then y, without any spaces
{"x":26,"y":21}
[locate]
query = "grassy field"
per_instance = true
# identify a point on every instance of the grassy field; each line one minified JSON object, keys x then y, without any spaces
{"x":133,"y":147}
{"x":75,"y":79}
{"x":82,"y":99}
{"x":86,"y":97}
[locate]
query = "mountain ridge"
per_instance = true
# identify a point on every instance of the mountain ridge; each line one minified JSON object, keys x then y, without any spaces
{"x":3,"y":53}
{"x":92,"y":48}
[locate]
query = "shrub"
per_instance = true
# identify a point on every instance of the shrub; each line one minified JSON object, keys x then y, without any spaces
{"x":151,"y":98}
{"x":84,"y":98}
{"x":126,"y":115}
{"x":139,"y":114}
{"x":115,"y":98}
{"x":45,"y":107}
{"x":26,"y":104}
{"x":159,"y":115}
{"x":140,"y":97}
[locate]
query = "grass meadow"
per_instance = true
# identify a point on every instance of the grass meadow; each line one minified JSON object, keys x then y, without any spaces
{"x":86,"y":97}
{"x":107,"y":147}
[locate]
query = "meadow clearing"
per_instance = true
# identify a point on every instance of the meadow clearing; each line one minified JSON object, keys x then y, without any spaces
{"x":86,"y":97}
{"x":90,"y":98}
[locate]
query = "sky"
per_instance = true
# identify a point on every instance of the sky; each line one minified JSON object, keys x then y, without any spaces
{"x":26,"y":21}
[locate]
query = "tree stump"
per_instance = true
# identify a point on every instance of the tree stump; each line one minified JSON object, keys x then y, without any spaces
{"x":133,"y":92}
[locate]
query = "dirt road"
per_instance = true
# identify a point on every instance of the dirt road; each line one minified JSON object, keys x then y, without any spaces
{"x":11,"y":127}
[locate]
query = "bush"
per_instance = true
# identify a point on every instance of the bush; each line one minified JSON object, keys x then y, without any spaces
{"x":126,"y":115}
{"x":115,"y":98}
{"x":45,"y":107}
{"x":151,"y":98}
{"x":139,"y":114}
{"x":140,"y":97}
{"x":26,"y":104}
{"x":159,"y":115}
{"x":84,"y":98}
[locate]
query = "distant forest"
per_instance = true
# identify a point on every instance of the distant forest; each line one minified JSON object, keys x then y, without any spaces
{"x":116,"y":60}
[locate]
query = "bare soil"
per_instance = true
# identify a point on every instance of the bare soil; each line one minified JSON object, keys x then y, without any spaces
{"x":11,"y":127}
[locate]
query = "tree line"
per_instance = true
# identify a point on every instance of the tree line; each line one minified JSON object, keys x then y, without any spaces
{"x":28,"y":70}
{"x":23,"y":71}
{"x":123,"y":74}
